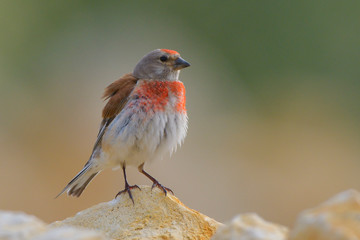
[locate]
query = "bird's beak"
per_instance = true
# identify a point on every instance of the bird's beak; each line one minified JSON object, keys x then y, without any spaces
{"x":180,"y":64}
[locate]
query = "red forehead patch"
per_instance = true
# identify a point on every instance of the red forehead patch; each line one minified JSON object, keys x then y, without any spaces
{"x":172,"y":52}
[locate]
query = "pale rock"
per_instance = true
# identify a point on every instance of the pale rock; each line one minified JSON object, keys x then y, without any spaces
{"x":70,"y":233}
{"x":19,"y":226}
{"x":153,"y":216}
{"x":336,"y":219}
{"x":250,"y":227}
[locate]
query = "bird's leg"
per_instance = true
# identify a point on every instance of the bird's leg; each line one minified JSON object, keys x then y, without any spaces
{"x":127,"y":187}
{"x":155,"y":182}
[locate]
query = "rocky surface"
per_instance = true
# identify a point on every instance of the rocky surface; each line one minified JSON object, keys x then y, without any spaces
{"x":336,"y":219}
{"x":20,"y":226}
{"x":16,"y":225}
{"x":156,"y":216}
{"x":250,"y":227}
{"x":153,"y":216}
{"x":70,"y":233}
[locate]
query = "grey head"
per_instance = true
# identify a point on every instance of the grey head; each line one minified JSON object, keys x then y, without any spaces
{"x":160,"y":64}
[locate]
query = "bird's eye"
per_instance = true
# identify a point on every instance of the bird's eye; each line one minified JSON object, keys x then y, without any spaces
{"x":163,"y":58}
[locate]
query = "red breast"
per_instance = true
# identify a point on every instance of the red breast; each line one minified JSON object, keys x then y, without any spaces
{"x":156,"y":95}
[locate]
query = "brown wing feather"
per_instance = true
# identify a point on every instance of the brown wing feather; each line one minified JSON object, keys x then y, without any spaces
{"x":117,"y":93}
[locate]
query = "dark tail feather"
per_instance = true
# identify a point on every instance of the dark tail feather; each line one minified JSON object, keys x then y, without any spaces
{"x":77,"y":185}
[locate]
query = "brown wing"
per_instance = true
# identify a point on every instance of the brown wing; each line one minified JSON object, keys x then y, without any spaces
{"x":117,"y":94}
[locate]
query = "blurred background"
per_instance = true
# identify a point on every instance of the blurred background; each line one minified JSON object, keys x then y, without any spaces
{"x":273,"y":97}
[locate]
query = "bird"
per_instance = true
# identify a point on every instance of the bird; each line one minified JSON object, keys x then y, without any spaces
{"x":144,"y":119}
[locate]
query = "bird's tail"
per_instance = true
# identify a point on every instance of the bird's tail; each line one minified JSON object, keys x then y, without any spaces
{"x":77,"y":185}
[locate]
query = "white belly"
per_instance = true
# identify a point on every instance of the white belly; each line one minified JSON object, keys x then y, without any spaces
{"x":135,"y":137}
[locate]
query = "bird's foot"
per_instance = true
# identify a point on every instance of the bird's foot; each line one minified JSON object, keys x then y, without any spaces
{"x":128,"y":190}
{"x":164,"y":189}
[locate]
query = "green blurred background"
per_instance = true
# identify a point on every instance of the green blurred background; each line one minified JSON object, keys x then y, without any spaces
{"x":273,"y":97}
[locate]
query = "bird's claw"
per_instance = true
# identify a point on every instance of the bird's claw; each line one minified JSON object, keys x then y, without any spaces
{"x":164,"y":189}
{"x":128,"y":190}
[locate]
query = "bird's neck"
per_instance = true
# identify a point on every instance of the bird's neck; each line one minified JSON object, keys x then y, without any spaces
{"x":158,"y":76}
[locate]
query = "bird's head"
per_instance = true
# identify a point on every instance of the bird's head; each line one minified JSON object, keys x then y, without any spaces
{"x":160,"y":64}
